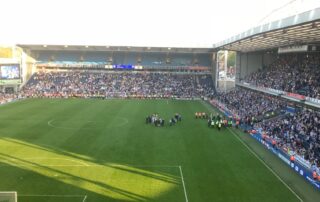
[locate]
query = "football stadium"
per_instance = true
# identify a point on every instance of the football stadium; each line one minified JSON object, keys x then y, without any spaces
{"x":235,"y":121}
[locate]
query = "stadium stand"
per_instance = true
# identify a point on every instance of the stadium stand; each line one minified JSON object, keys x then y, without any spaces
{"x":6,"y":97}
{"x":295,"y":73}
{"x":298,"y":132}
{"x":250,"y":104}
{"x":119,"y":84}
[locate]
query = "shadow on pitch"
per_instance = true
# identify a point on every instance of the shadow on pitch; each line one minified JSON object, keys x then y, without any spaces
{"x":28,"y":182}
{"x":156,"y":173}
{"x":74,"y":179}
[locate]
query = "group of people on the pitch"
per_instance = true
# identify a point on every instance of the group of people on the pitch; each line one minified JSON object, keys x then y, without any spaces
{"x":177,"y":118}
{"x":218,"y":121}
{"x":201,"y":115}
{"x":155,"y":119}
{"x":215,"y":121}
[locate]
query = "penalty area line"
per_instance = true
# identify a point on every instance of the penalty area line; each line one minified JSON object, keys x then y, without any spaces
{"x":269,"y":168}
{"x":183,"y":184}
{"x":55,"y":196}
{"x":12,"y":163}
{"x":52,"y":195}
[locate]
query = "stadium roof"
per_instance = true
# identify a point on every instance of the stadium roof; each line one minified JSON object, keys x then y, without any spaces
{"x":113,"y":48}
{"x":300,"y":29}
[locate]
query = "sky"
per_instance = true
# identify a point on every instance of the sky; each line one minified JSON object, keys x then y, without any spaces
{"x":164,"y":23}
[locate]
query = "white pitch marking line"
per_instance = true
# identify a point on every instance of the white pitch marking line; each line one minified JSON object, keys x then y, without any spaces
{"x":47,"y":165}
{"x":126,"y":121}
{"x":143,"y":166}
{"x":46,"y":195}
{"x":275,"y":174}
{"x":50,"y":123}
{"x":86,"y":165}
{"x":184,"y":186}
{"x":85,"y":198}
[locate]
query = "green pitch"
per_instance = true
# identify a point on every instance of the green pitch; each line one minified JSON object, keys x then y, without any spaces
{"x":101,"y":150}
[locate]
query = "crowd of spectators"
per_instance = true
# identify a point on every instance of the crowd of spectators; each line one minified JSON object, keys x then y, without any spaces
{"x":249,"y":104}
{"x":6,"y":97}
{"x":298,"y":132}
{"x":119,"y":84}
{"x":291,"y":73}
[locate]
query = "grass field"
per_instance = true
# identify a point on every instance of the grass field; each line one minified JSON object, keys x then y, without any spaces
{"x":101,"y":150}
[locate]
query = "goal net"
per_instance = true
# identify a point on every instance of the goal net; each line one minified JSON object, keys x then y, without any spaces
{"x":8,"y":196}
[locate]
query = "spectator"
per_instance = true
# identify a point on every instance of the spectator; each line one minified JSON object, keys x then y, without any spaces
{"x":119,"y":84}
{"x":291,"y":73}
{"x":298,"y":132}
{"x":247,"y":104}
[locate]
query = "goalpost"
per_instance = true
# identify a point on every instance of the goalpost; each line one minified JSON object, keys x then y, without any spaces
{"x":9,"y":196}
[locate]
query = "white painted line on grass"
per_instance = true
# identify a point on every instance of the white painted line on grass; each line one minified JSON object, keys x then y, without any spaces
{"x":183,"y":184}
{"x":47,"y":165}
{"x":52,"y":195}
{"x":85,"y":198}
{"x":29,"y":164}
{"x":143,"y":166}
{"x":270,"y":169}
{"x":50,"y":123}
